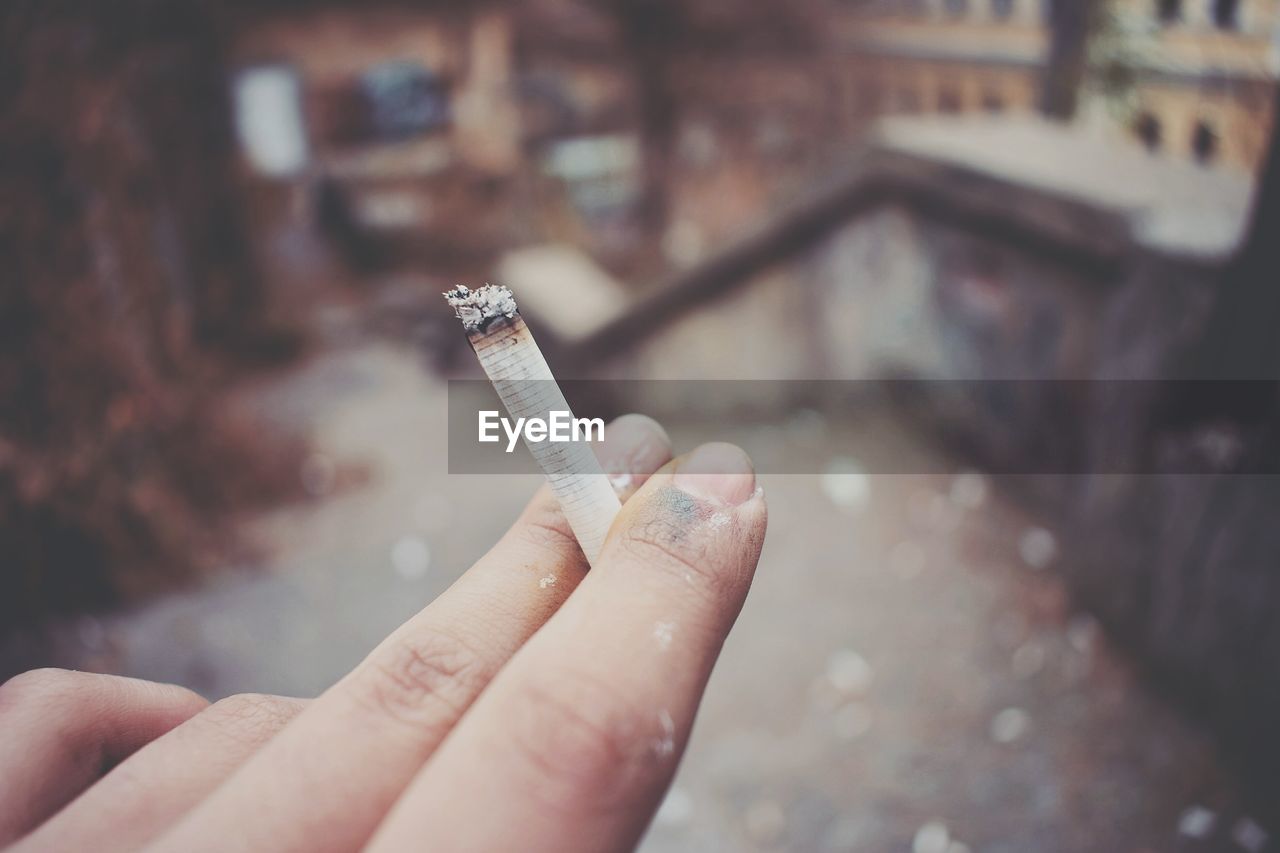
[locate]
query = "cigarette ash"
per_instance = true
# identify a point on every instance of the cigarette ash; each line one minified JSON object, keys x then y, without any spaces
{"x":665,"y":743}
{"x":663,"y":634}
{"x":480,"y":307}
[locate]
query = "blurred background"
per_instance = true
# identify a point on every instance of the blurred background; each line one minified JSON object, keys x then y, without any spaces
{"x":224,"y":361}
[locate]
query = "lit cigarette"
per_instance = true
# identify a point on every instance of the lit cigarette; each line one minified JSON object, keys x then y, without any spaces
{"x":524,"y":382}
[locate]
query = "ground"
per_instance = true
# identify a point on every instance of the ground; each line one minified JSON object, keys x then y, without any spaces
{"x":907,"y":674}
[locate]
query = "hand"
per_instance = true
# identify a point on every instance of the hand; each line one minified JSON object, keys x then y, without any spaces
{"x":509,"y":714}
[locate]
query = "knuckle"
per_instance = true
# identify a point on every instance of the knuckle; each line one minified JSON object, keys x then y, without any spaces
{"x":250,"y":716}
{"x":583,"y":748}
{"x":545,"y":527}
{"x":423,"y":681}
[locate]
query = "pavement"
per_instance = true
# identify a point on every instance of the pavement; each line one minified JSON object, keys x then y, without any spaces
{"x":908,"y":672}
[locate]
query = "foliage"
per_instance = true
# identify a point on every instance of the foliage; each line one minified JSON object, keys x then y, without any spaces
{"x":126,"y":289}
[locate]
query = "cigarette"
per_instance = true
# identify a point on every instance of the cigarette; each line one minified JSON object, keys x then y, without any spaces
{"x":514,"y":364}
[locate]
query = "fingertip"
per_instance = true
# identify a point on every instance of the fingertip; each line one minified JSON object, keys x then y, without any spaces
{"x":635,"y":446}
{"x":717,"y":471}
{"x":698,"y":524}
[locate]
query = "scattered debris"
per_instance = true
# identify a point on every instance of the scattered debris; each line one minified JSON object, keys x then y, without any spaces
{"x":849,"y":672}
{"x":807,"y":427}
{"x":410,"y":557}
{"x":932,"y":837}
{"x":1010,"y":725}
{"x":1249,"y":835}
{"x":1197,"y":822}
{"x":1038,"y":547}
{"x":846,"y":484}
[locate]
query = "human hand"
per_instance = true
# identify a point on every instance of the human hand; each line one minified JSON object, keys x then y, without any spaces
{"x":508,"y":714}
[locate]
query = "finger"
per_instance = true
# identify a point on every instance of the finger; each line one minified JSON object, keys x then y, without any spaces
{"x":573,"y":744}
{"x":634,"y":447}
{"x":165,"y":779}
{"x":64,"y":729}
{"x":328,"y":779}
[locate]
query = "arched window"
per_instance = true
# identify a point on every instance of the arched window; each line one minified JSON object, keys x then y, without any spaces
{"x":1226,"y":14}
{"x":1204,"y":143}
{"x":1002,"y":9}
{"x":1147,"y":128}
{"x":957,"y":8}
{"x":1169,"y":11}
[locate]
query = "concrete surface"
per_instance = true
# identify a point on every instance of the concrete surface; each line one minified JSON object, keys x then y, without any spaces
{"x":907,"y":674}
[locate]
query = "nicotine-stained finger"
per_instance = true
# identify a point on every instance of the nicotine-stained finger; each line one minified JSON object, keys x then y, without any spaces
{"x":575,"y":741}
{"x":63,"y":730}
{"x":327,"y":779}
{"x":162,"y":781}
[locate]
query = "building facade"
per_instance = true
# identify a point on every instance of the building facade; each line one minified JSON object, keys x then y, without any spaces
{"x":1191,"y":79}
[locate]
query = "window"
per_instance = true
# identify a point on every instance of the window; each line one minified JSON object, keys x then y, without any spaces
{"x":957,"y":8}
{"x":1226,"y":14}
{"x":1204,"y":143}
{"x":1169,"y":11}
{"x":401,"y":99}
{"x":992,"y":102}
{"x":1147,"y":129}
{"x":1002,"y":9}
{"x":269,"y":119}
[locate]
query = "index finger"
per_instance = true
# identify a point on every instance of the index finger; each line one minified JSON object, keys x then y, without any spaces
{"x":575,"y":741}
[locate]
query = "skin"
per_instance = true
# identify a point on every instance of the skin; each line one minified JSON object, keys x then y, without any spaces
{"x":507,"y":714}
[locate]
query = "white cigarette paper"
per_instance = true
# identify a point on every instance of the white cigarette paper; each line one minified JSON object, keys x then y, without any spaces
{"x":527,"y":388}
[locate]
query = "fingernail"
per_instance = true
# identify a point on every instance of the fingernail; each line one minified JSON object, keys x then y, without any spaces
{"x":718,"y":471}
{"x":634,"y":447}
